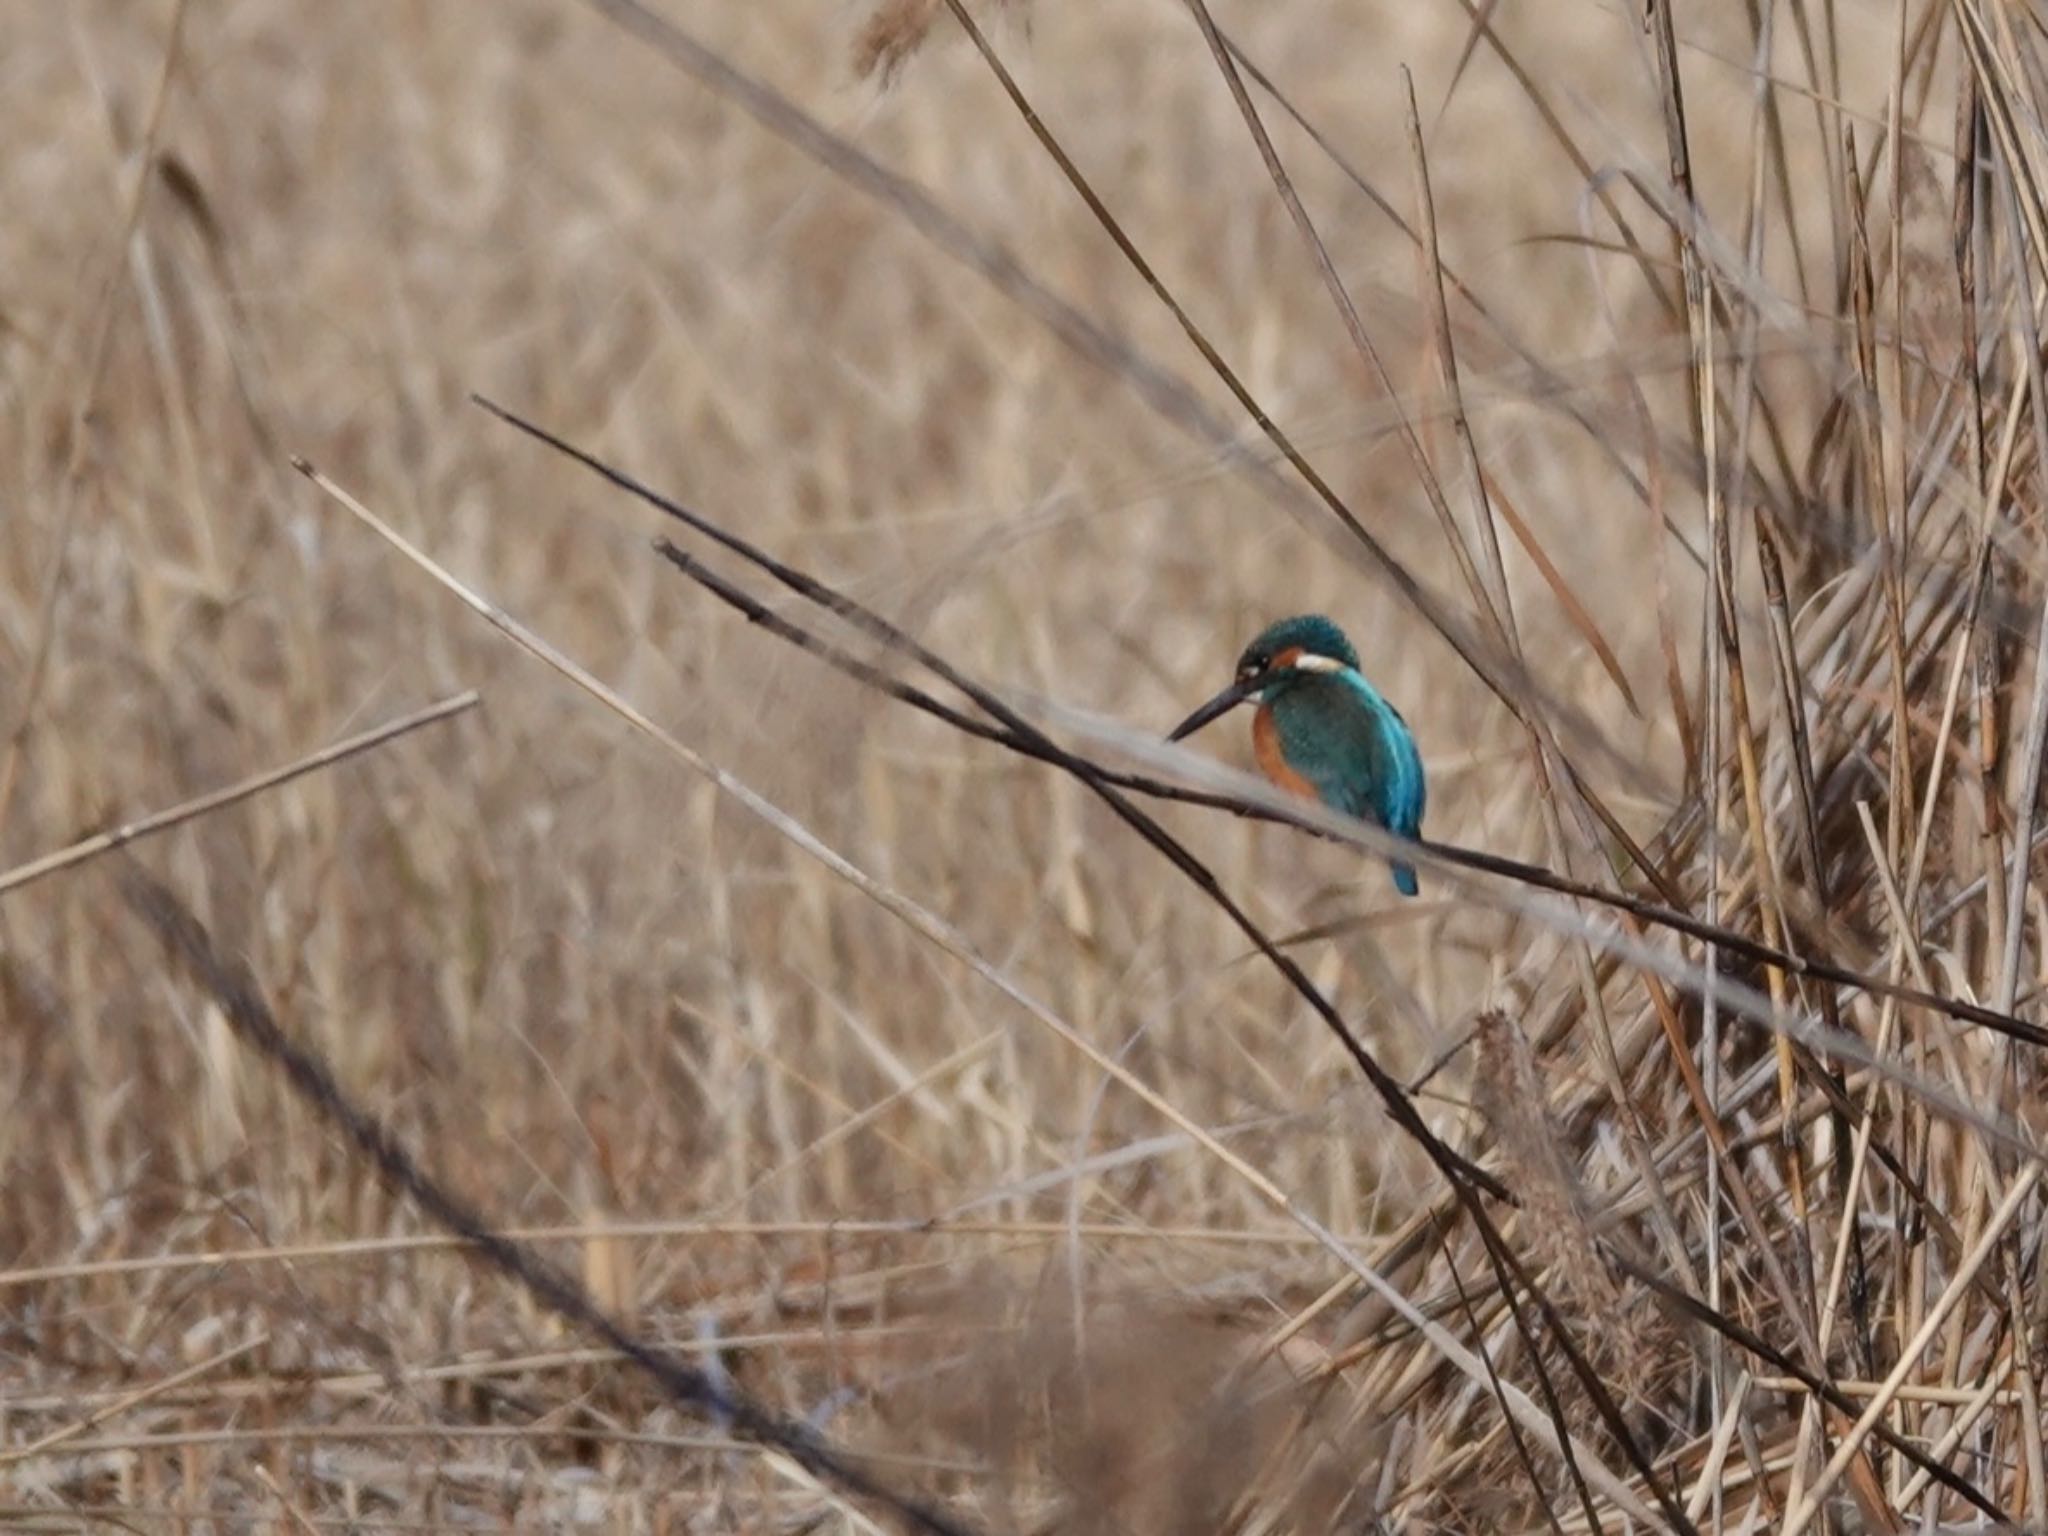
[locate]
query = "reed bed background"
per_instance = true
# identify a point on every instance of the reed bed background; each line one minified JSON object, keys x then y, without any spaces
{"x":1000,"y":1155}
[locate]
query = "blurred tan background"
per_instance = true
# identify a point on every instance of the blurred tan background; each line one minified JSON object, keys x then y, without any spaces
{"x":582,"y":986}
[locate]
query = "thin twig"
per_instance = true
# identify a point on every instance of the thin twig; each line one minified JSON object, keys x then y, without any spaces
{"x":85,"y":851}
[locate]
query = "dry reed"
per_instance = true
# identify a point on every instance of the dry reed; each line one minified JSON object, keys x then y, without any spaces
{"x":1658,"y":397}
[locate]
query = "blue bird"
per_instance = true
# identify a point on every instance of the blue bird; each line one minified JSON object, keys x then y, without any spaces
{"x":1322,"y":731}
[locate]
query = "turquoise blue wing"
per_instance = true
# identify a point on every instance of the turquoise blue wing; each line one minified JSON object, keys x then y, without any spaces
{"x":1354,"y":747}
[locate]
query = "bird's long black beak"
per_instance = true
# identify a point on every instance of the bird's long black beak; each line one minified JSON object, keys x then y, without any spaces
{"x":1222,"y":704}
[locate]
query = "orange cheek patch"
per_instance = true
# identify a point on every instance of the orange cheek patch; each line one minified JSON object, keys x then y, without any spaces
{"x":1286,"y":658}
{"x":1272,"y":762}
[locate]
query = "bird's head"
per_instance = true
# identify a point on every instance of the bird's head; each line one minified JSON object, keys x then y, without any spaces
{"x":1284,"y":652}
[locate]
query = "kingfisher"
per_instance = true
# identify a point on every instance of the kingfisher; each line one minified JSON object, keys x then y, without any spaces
{"x":1322,"y":731}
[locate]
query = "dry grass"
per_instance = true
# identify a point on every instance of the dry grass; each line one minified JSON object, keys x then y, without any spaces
{"x":1097,"y":1262}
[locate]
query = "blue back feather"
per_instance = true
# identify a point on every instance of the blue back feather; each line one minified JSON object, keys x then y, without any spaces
{"x":1354,"y":747}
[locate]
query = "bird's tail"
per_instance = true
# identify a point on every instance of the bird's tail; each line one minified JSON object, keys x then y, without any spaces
{"x":1404,"y":879}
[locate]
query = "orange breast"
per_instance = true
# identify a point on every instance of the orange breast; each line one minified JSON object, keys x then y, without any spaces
{"x":1272,"y":763}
